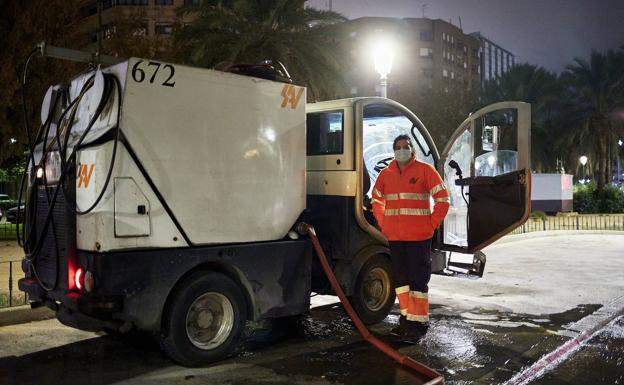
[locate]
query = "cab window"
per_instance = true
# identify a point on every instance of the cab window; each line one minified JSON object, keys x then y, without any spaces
{"x":325,"y":133}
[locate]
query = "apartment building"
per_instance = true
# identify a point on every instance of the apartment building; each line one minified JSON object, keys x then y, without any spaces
{"x":495,"y":60}
{"x":157,"y":18}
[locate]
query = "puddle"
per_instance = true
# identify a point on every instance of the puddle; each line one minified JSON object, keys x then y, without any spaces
{"x":476,"y":347}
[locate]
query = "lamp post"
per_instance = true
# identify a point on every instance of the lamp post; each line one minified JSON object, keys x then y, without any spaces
{"x":583,"y":160}
{"x":383,"y":55}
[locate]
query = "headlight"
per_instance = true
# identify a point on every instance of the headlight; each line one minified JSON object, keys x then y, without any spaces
{"x":52,"y":168}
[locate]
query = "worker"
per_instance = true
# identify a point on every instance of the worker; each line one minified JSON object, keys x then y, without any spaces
{"x":402,"y":207}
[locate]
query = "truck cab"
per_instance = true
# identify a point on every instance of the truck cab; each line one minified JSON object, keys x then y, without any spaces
{"x":485,"y":166}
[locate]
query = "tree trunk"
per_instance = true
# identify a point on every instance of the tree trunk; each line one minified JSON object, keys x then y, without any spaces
{"x":601,"y":176}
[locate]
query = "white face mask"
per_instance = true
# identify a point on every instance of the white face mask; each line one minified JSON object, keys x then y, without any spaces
{"x":402,"y":155}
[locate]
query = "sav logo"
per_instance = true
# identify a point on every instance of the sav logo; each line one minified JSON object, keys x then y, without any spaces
{"x":413,"y":180}
{"x":84,"y":173}
{"x":291,"y":95}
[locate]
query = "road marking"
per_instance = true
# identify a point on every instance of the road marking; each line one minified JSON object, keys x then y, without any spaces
{"x":588,"y":327}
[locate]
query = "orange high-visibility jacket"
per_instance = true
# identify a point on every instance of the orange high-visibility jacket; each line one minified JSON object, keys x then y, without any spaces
{"x":401,"y":201}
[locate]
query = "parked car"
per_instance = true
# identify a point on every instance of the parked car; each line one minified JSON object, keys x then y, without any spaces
{"x":11,"y":214}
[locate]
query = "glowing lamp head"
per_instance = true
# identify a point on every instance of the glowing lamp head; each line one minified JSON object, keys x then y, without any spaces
{"x":39,"y":172}
{"x":583,"y":160}
{"x":383,"y":51}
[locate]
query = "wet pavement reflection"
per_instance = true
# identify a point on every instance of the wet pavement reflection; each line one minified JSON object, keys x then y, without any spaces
{"x":473,"y":347}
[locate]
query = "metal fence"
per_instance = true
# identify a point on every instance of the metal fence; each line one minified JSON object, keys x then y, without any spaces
{"x":10,"y":295}
{"x":7,"y":231}
{"x":573,"y":222}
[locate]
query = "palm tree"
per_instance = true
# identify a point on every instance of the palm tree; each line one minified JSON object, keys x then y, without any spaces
{"x":535,"y":85}
{"x":250,"y":31}
{"x":597,"y":89}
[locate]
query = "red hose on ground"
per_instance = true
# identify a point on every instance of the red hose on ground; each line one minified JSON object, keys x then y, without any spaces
{"x":432,"y":376}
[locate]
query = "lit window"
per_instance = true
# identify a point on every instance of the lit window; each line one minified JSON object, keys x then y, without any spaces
{"x":354,"y":90}
{"x":445,"y":73}
{"x":352,"y":34}
{"x":424,"y":51}
{"x":452,"y":75}
{"x":443,"y":36}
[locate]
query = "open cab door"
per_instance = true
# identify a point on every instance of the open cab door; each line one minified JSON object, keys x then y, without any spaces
{"x":486,"y":168}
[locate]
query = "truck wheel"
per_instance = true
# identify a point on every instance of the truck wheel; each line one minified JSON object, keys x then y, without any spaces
{"x":373,"y":294}
{"x":204,"y":320}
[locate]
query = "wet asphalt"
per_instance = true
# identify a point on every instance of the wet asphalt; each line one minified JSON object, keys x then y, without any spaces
{"x":474,"y":347}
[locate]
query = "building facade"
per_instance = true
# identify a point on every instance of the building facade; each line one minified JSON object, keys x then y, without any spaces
{"x":495,"y":60}
{"x":156,"y":18}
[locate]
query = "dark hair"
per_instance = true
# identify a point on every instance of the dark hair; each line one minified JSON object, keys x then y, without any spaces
{"x":402,"y":137}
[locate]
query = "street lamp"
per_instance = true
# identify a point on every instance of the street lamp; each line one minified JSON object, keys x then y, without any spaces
{"x":383,"y":55}
{"x":583,"y":160}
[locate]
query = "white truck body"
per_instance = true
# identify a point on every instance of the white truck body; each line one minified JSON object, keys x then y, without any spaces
{"x":205,"y":139}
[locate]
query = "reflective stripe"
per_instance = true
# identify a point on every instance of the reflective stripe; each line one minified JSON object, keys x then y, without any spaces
{"x":404,"y":312}
{"x":438,"y":188}
{"x":375,"y":200}
{"x":419,"y":294}
{"x":376,"y":192}
{"x":406,"y":211}
{"x":419,"y":318}
{"x":416,"y":196}
{"x":414,"y":211}
{"x":391,"y":197}
{"x":402,"y":289}
{"x":444,"y":199}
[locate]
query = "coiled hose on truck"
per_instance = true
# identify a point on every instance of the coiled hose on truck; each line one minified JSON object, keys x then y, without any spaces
{"x":431,"y":375}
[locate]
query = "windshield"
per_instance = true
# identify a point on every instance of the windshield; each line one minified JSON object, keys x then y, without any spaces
{"x":382,"y":123}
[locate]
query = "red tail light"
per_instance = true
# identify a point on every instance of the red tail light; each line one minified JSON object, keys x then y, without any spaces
{"x":79,"y":278}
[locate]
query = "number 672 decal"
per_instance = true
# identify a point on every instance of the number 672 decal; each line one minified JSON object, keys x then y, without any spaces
{"x":152,"y":67}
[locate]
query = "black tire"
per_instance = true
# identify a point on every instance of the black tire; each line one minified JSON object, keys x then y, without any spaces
{"x":192,"y":337}
{"x":373,"y":294}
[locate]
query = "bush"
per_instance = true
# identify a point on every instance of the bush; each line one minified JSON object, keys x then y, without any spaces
{"x":538,"y":215}
{"x":588,"y":200}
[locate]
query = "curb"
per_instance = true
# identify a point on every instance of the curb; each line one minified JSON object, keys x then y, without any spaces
{"x":552,"y":233}
{"x":23,"y":314}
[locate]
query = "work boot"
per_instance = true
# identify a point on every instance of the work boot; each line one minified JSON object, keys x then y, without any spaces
{"x":400,"y":328}
{"x":414,"y":332}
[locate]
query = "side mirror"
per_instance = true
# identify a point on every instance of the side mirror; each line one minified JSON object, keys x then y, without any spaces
{"x":452,"y":164}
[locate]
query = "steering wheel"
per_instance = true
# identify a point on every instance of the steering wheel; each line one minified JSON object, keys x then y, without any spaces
{"x":382,"y":164}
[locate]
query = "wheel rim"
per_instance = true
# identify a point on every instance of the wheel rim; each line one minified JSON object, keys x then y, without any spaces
{"x":376,"y":288}
{"x":209,"y":320}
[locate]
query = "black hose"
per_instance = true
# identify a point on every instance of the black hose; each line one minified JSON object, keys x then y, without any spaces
{"x":32,"y":253}
{"x":111,"y":82}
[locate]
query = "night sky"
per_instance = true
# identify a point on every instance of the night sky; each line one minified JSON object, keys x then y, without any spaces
{"x":550,"y":33}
